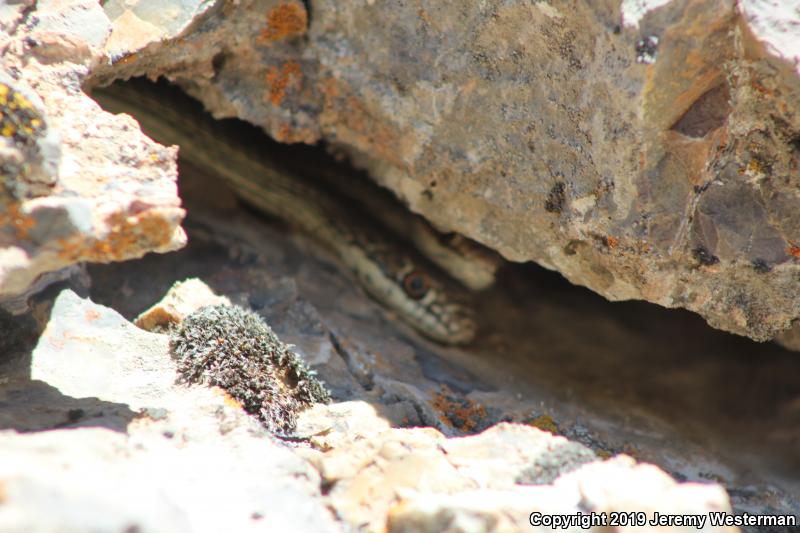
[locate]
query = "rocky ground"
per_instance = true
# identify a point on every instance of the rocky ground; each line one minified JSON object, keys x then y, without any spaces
{"x":411,"y":441}
{"x":645,"y":150}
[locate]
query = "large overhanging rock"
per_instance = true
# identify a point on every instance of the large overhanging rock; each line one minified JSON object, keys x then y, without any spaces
{"x":647,"y":150}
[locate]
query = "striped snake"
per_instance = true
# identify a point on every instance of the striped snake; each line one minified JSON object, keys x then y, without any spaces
{"x":386,"y":269}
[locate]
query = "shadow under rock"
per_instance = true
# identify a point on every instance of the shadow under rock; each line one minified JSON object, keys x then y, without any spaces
{"x":735,"y":397}
{"x":34,"y":405}
{"x":28,"y":405}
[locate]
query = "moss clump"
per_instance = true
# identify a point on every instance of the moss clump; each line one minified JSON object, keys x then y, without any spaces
{"x":234,"y":349}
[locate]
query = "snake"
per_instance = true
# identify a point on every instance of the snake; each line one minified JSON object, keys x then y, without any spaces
{"x":389,"y":271}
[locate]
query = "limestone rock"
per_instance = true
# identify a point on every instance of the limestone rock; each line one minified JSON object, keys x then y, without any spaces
{"x":418,"y":480}
{"x":639,"y":487}
{"x":183,"y":299}
{"x":106,"y":427}
{"x":77,"y":184}
{"x":646,"y":150}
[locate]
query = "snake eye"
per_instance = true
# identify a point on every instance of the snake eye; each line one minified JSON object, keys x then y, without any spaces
{"x":416,"y":284}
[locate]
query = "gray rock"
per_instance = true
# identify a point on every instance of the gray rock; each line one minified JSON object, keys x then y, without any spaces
{"x":646,"y":150}
{"x":112,"y":443}
{"x":560,"y":459}
{"x":80,"y":185}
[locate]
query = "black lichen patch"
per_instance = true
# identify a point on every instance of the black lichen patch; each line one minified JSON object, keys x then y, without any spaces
{"x":550,"y":464}
{"x":234,"y":349}
{"x":555,"y":198}
{"x":704,"y":257}
{"x":761,"y":266}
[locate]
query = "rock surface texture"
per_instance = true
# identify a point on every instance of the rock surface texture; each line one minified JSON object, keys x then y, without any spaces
{"x":104,"y":425}
{"x":647,"y":150}
{"x":76,"y":184}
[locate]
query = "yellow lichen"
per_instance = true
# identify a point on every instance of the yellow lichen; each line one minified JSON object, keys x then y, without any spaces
{"x":19,"y":118}
{"x":545,"y":423}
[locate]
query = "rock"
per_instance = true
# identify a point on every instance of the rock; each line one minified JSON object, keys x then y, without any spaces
{"x":107,"y":427}
{"x":646,"y":150}
{"x":507,"y":453}
{"x":639,"y":487}
{"x":80,"y":184}
{"x":418,"y":480}
{"x":183,"y":298}
{"x":790,"y":339}
{"x":629,"y":378}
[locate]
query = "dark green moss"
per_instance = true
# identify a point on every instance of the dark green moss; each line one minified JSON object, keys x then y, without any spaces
{"x":236,"y":350}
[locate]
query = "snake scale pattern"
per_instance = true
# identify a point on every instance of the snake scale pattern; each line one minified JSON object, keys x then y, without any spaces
{"x":388,"y":270}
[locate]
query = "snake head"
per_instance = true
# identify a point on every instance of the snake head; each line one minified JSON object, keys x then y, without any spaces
{"x":419,"y":295}
{"x":437,"y":309}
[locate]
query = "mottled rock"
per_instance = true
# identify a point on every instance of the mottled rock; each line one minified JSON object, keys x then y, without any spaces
{"x":646,"y":150}
{"x":182,"y":299}
{"x":639,"y":487}
{"x":106,"y":427}
{"x":418,"y":480}
{"x":77,"y":184}
{"x":629,"y":378}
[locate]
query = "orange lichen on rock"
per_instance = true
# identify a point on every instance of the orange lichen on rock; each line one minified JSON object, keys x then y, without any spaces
{"x":283,"y":21}
{"x":287,"y":133}
{"x":91,"y":315}
{"x":793,"y":250}
{"x":127,"y":59}
{"x":460,"y":413}
{"x":279,"y":79}
{"x":14,"y":218}
{"x":145,"y":231}
{"x":360,"y":123}
{"x":227,"y":399}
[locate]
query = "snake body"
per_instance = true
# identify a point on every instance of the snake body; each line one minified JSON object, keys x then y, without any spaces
{"x":385,"y":268}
